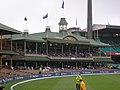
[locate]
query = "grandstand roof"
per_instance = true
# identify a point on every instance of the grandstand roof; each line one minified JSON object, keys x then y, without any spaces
{"x":27,"y":38}
{"x":97,"y":43}
{"x":58,"y":37}
{"x":8,"y":30}
{"x":104,"y":59}
{"x":46,"y":58}
{"x":7,"y":52}
{"x":106,"y":28}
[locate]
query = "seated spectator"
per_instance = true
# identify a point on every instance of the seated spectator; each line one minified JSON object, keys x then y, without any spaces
{"x":2,"y":88}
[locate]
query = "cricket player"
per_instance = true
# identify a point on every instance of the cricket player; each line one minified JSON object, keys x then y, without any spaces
{"x":78,"y":82}
{"x":82,"y":85}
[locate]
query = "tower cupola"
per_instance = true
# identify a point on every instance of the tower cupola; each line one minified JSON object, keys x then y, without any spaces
{"x":62,"y":24}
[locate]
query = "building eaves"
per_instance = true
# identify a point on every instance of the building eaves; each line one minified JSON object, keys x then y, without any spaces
{"x":29,"y":38}
{"x":98,"y":43}
{"x":8,"y":30}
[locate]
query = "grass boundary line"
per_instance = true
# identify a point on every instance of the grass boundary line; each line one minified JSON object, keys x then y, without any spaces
{"x":11,"y":88}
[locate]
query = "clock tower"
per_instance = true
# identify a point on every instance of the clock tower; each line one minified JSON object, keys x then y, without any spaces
{"x":62,"y":25}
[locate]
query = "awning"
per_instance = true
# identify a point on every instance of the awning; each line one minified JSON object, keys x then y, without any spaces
{"x":71,"y":59}
{"x":103,"y":59}
{"x":7,"y":52}
{"x":30,"y":58}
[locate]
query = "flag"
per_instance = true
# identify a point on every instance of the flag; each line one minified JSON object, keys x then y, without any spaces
{"x":46,"y":16}
{"x":25,"y":19}
{"x":62,"y":5}
{"x":76,"y":21}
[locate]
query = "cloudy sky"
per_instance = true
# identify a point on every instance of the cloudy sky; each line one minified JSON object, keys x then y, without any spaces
{"x":12,"y":13}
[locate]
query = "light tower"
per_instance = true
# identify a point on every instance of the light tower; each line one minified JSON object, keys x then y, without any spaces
{"x":89,"y":20}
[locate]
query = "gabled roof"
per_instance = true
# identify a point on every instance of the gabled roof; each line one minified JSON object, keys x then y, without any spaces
{"x":58,"y":37}
{"x":46,"y":34}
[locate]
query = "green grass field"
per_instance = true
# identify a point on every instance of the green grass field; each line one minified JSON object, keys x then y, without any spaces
{"x":95,"y":82}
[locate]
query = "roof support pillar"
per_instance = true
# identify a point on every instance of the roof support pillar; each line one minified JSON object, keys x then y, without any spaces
{"x":11,"y":43}
{"x":47,"y":48}
{"x":36,"y":65}
{"x":62,"y":50}
{"x":36,"y":47}
{"x":16,"y":46}
{"x":11,"y":61}
{"x":0,"y":61}
{"x":24,"y":47}
{"x":76,"y":65}
{"x":1,"y":42}
{"x":76,"y":50}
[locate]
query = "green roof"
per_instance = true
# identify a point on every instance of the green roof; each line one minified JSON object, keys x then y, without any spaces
{"x":46,"y":34}
{"x":36,"y":58}
{"x":28,"y":38}
{"x":58,"y":37}
{"x":97,"y":43}
{"x":8,"y":30}
{"x":31,"y":58}
{"x":80,"y":38}
{"x":112,"y":26}
{"x":103,"y":59}
{"x":7,"y":52}
{"x":65,"y":41}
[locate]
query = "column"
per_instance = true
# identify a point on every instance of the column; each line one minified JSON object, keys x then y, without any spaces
{"x":76,"y":51}
{"x":11,"y":55}
{"x":1,"y":49}
{"x":16,"y":46}
{"x":11,"y":42}
{"x":62,"y":50}
{"x":36,"y":47}
{"x":47,"y":48}
{"x":0,"y":61}
{"x":24,"y":47}
{"x":1,"y":42}
{"x":62,"y":65}
{"x":76,"y":65}
{"x":11,"y":61}
{"x":36,"y":65}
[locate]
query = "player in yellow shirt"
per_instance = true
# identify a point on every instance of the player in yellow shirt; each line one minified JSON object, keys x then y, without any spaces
{"x":82,"y":85}
{"x":78,"y":82}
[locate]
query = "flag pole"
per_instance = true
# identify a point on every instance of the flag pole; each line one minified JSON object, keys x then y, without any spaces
{"x":25,"y":25}
{"x":47,"y":21}
{"x":62,"y":8}
{"x":76,"y":24}
{"x":25,"y":22}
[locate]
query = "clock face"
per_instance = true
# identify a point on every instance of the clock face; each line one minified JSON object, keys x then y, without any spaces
{"x":63,"y":27}
{"x":70,"y":38}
